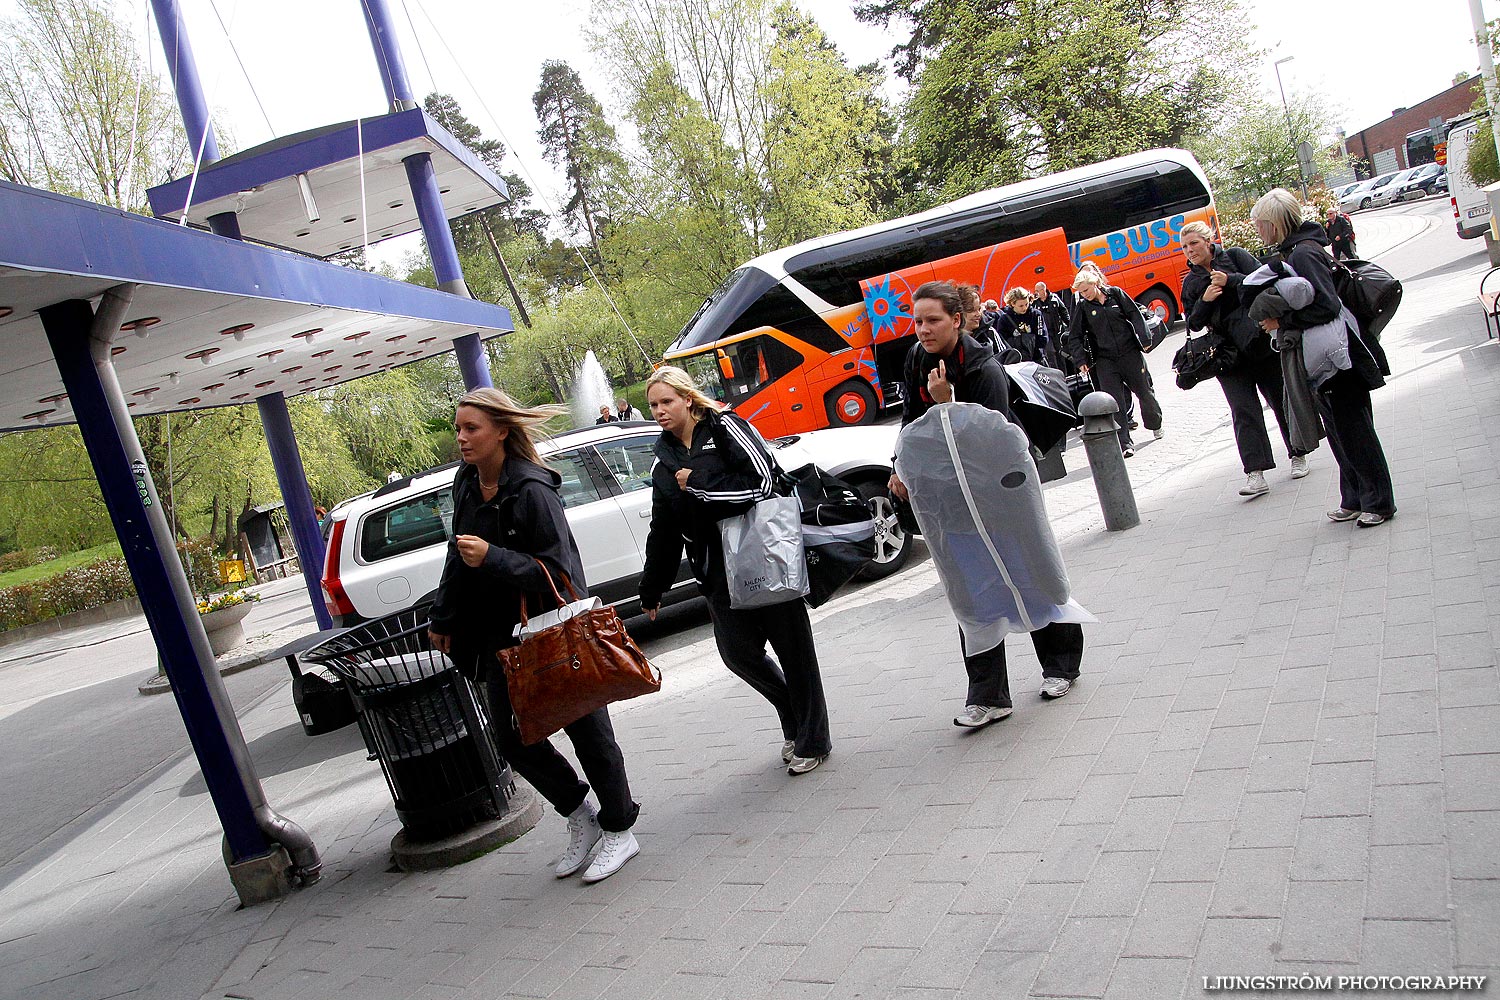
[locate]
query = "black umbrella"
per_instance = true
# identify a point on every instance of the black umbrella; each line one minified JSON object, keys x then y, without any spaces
{"x":1041,"y":403}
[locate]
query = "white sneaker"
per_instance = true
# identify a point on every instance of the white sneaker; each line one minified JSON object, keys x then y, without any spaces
{"x":1158,"y":434}
{"x":1255,"y":485}
{"x":1055,"y":687}
{"x":788,"y":750}
{"x":614,"y":850}
{"x":583,"y":834}
{"x":1299,"y":466}
{"x":979,"y":716}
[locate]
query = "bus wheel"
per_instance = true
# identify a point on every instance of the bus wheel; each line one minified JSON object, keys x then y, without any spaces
{"x":1159,"y":301}
{"x":851,"y":404}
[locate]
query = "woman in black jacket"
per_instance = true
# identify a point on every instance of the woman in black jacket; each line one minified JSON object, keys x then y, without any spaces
{"x":1107,"y":334}
{"x":507,"y":514}
{"x":1365,"y":492}
{"x":1210,"y":298}
{"x":1023,"y":328}
{"x":710,"y":465}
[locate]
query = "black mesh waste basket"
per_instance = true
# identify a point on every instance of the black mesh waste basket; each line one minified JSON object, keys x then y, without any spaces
{"x":422,"y":721}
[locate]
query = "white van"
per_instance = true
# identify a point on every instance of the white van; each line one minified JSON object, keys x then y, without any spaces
{"x":1471,"y":209}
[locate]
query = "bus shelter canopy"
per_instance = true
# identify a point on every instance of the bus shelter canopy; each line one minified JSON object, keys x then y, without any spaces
{"x":213,"y":321}
{"x":325,"y":191}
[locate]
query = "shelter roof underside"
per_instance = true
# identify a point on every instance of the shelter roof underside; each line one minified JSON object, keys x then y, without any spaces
{"x":224,"y":321}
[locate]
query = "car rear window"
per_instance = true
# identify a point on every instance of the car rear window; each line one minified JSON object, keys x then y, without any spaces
{"x":417,"y":523}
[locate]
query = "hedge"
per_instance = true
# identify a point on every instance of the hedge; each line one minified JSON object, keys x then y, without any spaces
{"x":90,"y":586}
{"x":27,"y":557}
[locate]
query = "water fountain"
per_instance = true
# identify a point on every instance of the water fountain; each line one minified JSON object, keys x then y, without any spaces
{"x":591,"y":390}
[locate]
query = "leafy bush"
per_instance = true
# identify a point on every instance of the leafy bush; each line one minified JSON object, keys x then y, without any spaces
{"x":93,"y":585}
{"x":27,"y":557}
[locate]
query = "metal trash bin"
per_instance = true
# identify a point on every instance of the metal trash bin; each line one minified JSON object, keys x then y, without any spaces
{"x":423,"y":721}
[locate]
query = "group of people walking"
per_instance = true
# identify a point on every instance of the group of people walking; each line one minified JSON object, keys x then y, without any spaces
{"x":508,"y":518}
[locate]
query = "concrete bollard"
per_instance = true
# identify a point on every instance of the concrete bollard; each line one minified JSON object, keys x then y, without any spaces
{"x":1101,"y":442}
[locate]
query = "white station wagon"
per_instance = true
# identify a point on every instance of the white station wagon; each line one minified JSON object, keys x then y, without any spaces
{"x":386,"y":550}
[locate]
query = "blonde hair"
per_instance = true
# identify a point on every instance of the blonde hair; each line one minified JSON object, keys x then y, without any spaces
{"x":1088,"y":276}
{"x":1016,"y":295}
{"x":1281,"y":210}
{"x":1196,"y":228}
{"x":518,"y":420}
{"x":681,"y":382}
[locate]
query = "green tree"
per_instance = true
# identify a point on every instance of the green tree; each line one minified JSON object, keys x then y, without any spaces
{"x":1009,"y":89}
{"x":575,"y":136}
{"x":79,"y":113}
{"x":1251,"y":152}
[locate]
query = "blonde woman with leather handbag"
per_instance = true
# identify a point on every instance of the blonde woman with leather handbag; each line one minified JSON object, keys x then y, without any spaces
{"x":508,"y":522}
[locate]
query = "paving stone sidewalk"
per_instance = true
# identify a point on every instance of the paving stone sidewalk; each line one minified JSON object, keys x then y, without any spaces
{"x":1282,"y":758}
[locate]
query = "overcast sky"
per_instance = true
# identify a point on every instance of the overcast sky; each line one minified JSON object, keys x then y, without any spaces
{"x":311,"y":65}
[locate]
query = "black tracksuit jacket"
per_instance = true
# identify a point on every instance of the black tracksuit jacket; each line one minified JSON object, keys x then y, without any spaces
{"x":731,"y":470}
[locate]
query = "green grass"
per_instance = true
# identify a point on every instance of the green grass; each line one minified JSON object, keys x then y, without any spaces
{"x":31,"y":574}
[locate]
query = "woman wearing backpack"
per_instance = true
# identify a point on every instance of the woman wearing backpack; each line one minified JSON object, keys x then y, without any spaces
{"x":1210,"y":299}
{"x":1343,"y":394}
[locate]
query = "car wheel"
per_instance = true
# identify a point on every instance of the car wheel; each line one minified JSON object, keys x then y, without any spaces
{"x":1365,"y":203}
{"x":851,"y":404}
{"x":892,"y":543}
{"x":1159,"y":301}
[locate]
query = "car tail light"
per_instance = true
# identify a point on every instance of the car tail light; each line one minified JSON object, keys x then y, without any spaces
{"x":333,"y":589}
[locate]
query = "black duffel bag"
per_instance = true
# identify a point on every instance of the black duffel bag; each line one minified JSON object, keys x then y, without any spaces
{"x":1203,"y":358}
{"x":838,"y":529}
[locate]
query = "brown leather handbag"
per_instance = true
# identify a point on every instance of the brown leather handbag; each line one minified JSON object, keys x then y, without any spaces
{"x":561,"y":673}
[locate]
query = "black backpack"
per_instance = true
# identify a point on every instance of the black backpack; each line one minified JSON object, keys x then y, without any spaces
{"x":1368,"y":290}
{"x":1371,"y":292}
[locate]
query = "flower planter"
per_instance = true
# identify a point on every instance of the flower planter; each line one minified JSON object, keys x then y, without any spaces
{"x":225,"y":627}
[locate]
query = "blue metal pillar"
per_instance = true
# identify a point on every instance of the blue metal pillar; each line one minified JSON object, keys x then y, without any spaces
{"x":289,"y":472}
{"x":292,"y":479}
{"x":424,"y":189}
{"x":190,"y":100}
{"x":160,"y":581}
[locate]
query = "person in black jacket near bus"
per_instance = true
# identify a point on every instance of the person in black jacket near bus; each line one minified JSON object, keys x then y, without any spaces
{"x":946,"y":365}
{"x":507,"y":515}
{"x":1211,"y":301}
{"x":1109,"y":333}
{"x":711,"y":464}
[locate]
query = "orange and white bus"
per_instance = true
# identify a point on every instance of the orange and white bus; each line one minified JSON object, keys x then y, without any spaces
{"x":813,"y":335}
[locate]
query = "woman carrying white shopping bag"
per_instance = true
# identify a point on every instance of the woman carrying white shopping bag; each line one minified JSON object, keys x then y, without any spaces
{"x":712,"y":466}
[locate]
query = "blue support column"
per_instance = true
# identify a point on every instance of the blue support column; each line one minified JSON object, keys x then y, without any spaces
{"x":160,"y":581}
{"x":469,"y":350}
{"x":382,"y":27}
{"x":292,"y":478}
{"x":185,"y":80}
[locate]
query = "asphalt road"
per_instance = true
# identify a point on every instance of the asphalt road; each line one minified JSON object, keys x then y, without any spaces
{"x":74,"y":730}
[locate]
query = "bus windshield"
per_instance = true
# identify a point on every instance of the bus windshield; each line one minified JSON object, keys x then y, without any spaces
{"x":719,"y":311}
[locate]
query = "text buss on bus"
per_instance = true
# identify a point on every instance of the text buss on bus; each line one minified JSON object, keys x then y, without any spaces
{"x":813,"y":335}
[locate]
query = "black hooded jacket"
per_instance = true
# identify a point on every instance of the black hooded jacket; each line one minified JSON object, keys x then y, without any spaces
{"x":1226,"y":314}
{"x":480,"y":606}
{"x":730,"y":470}
{"x":1306,"y":251}
{"x":975,"y":373}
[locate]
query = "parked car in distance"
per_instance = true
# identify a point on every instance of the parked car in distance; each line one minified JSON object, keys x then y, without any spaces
{"x":386,"y":550}
{"x":1350,"y":200}
{"x":1384,"y":189}
{"x":1430,"y":178}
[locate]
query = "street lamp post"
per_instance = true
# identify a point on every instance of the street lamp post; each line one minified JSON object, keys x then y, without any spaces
{"x":1291,"y":133}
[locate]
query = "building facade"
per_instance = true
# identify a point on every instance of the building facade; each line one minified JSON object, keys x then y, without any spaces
{"x":1410,"y":137}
